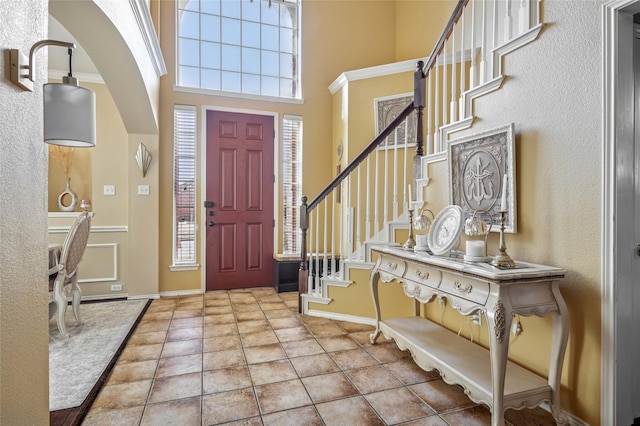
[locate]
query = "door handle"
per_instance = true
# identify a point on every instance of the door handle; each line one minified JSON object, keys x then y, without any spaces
{"x":210,"y":213}
{"x":211,"y":223}
{"x":638,"y":249}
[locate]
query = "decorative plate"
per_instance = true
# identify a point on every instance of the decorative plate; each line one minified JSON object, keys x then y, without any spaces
{"x":446,"y":229}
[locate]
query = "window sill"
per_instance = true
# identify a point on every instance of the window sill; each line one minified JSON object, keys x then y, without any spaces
{"x":187,"y":267}
{"x":210,"y":92}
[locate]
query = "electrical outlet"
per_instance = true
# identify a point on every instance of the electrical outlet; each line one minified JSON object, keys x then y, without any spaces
{"x":109,"y":190}
{"x":516,"y":328}
{"x":477,"y":318}
{"x":116,"y":287}
{"x":143,"y":189}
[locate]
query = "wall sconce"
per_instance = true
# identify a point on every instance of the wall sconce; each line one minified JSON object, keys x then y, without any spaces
{"x":143,"y":158}
{"x":69,"y":110}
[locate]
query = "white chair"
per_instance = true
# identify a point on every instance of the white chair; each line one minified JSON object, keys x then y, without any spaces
{"x":72,"y":251}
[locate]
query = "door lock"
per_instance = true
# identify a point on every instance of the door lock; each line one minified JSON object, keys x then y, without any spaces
{"x":211,"y":223}
{"x":210,"y":213}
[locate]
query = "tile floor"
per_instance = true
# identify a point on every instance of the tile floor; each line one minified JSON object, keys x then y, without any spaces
{"x":246,"y":357}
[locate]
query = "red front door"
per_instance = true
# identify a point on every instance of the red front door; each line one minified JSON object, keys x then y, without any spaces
{"x":239,"y":173}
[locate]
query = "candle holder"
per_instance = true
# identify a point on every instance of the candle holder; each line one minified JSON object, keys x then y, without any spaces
{"x":502,"y":260}
{"x":410,"y":243}
{"x":475,"y":226}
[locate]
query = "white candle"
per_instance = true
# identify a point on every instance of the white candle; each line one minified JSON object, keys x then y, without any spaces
{"x":503,"y":206}
{"x":409,"y":197}
{"x":475,"y":248}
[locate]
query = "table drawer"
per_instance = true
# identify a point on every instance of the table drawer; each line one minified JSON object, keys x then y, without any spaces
{"x":392,"y":266}
{"x":465,"y":288}
{"x":422,"y":274}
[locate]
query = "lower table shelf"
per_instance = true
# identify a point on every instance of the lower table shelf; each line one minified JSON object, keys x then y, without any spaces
{"x":465,"y":363}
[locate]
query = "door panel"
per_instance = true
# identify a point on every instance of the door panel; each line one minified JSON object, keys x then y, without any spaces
{"x":239,"y":176}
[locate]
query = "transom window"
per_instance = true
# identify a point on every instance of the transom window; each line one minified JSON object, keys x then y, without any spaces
{"x":239,"y":46}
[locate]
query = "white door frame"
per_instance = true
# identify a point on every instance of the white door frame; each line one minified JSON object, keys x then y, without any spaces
{"x":617,"y":211}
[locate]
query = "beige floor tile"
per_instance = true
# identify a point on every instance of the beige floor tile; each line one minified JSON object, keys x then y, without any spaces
{"x":220,"y":330}
{"x":268,"y":298}
{"x":441,"y":396}
{"x":239,"y":298}
{"x":217,"y":294}
{"x":265,"y":353}
{"x":219,"y":319}
{"x":325,"y":330}
{"x":229,"y":406}
{"x":408,"y":372}
{"x":157,"y":316}
{"x":314,"y":365}
{"x":328,"y":387}
{"x":529,"y":417}
{"x":177,"y":365}
{"x":433,"y":420}
{"x":218,"y":310}
{"x":352,"y":327}
{"x":181,"y":348}
{"x":473,"y":416}
{"x":252,"y":326}
{"x":288,"y":295}
{"x":195,"y":298}
{"x":270,"y":306}
{"x":311,"y":320}
{"x":364,"y":338}
{"x":146,"y":327}
{"x":133,"y":372}
{"x":140,"y":353}
{"x":278,"y":323}
{"x":125,"y":417}
{"x":281,"y":396}
{"x":183,"y":412}
{"x":353,"y":411}
{"x":188,"y":307}
{"x":176,"y":387}
{"x":154,"y":337}
{"x":225,"y":379}
{"x":250,"y":315}
{"x":178,"y":334}
{"x":338,"y":343}
{"x":307,"y":416}
{"x":292,"y":304}
{"x":186,"y":322}
{"x":292,"y":334}
{"x":223,"y":359}
{"x":187,"y":313}
{"x":271,"y":372}
{"x":280,"y":313}
{"x":258,"y":338}
{"x":161,"y":308}
{"x":372,"y":379}
{"x":387,"y":404}
{"x":124,"y":395}
{"x":211,"y":302}
{"x":387,"y":352}
{"x":302,"y":348}
{"x":353,"y":358}
{"x":222,"y":343}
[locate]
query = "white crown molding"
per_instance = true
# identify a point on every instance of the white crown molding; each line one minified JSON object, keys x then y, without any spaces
{"x":371,"y":72}
{"x":94,"y":229}
{"x":145,"y":23}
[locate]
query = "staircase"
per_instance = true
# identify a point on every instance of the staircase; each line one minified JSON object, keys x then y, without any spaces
{"x":369,"y":200}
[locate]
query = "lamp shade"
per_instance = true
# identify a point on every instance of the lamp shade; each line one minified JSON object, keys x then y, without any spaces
{"x":69,"y":115}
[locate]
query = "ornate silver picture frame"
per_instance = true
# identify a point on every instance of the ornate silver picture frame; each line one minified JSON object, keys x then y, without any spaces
{"x":478,"y":165}
{"x":386,"y":109}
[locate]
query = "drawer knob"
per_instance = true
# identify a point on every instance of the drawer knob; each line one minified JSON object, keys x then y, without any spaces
{"x":422,"y":275}
{"x":462,"y":288}
{"x":392,"y":266}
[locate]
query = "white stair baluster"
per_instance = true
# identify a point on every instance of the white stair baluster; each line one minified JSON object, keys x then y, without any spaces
{"x":436,"y":123}
{"x":445,"y":100}
{"x":429,"y":147}
{"x":325,"y":242}
{"x":358,"y":218}
{"x":368,"y":201}
{"x":454,"y":83}
{"x":385,"y":180}
{"x":395,"y":174}
{"x":463,"y":68}
{"x":483,"y":44}
{"x":473,"y":70}
{"x":376,"y":191}
{"x":406,"y":165}
{"x":508,"y":23}
{"x":333,"y":231}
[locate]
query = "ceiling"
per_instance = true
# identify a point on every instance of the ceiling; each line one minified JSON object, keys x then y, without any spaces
{"x":58,"y":57}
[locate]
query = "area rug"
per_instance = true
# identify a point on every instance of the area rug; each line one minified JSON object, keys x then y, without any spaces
{"x":77,"y":363}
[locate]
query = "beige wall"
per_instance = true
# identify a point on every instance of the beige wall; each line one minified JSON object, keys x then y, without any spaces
{"x":337,"y":36}
{"x":24,"y":378}
{"x":555,"y":106}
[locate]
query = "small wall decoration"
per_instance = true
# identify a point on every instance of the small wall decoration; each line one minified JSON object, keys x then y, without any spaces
{"x":386,"y":109}
{"x":482,"y":174}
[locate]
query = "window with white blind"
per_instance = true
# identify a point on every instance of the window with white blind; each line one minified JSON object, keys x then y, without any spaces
{"x":291,"y":183}
{"x":239,"y":46}
{"x":184,"y":186}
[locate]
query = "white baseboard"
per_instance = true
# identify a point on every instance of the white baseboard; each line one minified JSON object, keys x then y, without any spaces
{"x":102,"y":297}
{"x":145,"y":296}
{"x":180,"y":293}
{"x":342,"y":317}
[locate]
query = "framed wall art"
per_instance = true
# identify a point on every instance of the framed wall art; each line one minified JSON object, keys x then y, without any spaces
{"x":386,"y":109}
{"x":481,"y":170}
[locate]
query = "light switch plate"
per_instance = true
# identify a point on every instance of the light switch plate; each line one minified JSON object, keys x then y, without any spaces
{"x":143,"y":189}
{"x":109,"y":190}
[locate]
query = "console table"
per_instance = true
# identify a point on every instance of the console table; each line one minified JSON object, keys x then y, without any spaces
{"x":487,"y":376}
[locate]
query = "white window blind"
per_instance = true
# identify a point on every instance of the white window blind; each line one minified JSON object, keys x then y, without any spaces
{"x":184,"y":184}
{"x":291,"y":182}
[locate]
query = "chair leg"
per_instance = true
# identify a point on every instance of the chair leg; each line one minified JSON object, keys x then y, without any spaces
{"x":77,"y":295}
{"x":61,"y":301}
